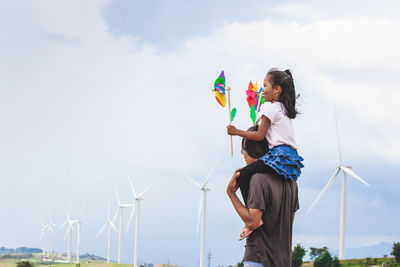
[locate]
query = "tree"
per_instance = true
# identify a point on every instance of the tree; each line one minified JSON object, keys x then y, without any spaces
{"x":322,"y":257}
{"x":297,"y":256}
{"x":240,"y":264}
{"x":335,"y":261}
{"x":396,"y":251}
{"x":24,"y":264}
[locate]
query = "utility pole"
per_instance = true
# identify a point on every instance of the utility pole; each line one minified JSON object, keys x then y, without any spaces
{"x":209,"y":258}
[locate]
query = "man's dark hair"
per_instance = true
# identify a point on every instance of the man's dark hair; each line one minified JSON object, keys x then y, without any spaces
{"x":255,"y":149}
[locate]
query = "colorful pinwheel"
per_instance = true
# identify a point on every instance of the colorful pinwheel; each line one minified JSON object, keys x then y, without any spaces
{"x":219,"y":89}
{"x":253,"y":98}
{"x":220,"y":92}
{"x":251,"y":95}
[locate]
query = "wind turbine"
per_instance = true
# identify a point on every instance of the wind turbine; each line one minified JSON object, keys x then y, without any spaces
{"x":137,"y":199}
{"x":110,"y":224}
{"x":345,"y":170}
{"x":68,"y":233}
{"x":49,"y":229}
{"x":121,"y":208}
{"x":78,"y":241}
{"x":202,"y":208}
{"x":43,"y":230}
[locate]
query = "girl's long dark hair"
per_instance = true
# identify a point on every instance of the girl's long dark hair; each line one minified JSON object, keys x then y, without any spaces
{"x":288,"y":96}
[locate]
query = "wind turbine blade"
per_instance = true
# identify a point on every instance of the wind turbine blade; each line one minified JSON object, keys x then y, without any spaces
{"x":130,"y":218}
{"x":71,"y":225}
{"x":192,"y":181}
{"x":41,"y":221}
{"x":42,"y":233}
{"x":80,"y":213}
{"x":131,"y":185}
{"x":211,"y":171}
{"x":350,"y":172}
{"x":113,"y":226}
{"x":67,"y":232}
{"x":101,"y":230}
{"x":67,"y":214}
{"x":338,"y":139}
{"x":62,"y":225}
{"x":108,"y":209}
{"x":115,"y":216}
{"x":141,"y":194}
{"x":199,"y":215}
{"x":116,"y":192}
{"x":324,"y":190}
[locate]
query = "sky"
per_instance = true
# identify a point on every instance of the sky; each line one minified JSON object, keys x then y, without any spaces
{"x":91,"y":91}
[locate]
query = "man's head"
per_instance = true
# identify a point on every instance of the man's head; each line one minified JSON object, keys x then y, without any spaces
{"x":252,"y":150}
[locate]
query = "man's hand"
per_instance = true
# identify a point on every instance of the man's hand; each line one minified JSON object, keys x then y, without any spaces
{"x":232,"y":185}
{"x":231,"y":130}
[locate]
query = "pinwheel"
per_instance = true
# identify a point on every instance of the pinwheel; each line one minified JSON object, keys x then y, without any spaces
{"x":220,"y":92}
{"x":254,"y":100}
{"x":219,"y":89}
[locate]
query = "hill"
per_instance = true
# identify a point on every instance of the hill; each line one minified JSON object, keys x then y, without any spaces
{"x":374,"y":251}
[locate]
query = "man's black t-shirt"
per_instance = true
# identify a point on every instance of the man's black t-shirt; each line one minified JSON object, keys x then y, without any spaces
{"x":271,"y":244}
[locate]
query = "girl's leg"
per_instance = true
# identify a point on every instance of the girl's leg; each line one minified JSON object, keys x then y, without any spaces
{"x":245,"y":174}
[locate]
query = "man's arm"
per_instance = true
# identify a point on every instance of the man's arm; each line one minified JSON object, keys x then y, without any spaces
{"x":251,"y":217}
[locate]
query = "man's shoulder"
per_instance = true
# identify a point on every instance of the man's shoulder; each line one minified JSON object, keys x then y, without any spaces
{"x":264,"y":177}
{"x":270,"y":179}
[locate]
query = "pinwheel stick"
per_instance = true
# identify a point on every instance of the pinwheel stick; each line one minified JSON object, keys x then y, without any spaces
{"x":229,"y":114}
{"x":258,"y":104}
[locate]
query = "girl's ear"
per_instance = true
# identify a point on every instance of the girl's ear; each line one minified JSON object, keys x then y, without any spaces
{"x":278,"y":89}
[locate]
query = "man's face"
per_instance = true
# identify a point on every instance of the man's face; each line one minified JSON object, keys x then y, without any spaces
{"x":247,"y":158}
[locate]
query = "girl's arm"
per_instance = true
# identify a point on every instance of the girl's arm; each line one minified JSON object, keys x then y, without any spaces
{"x":251,"y":135}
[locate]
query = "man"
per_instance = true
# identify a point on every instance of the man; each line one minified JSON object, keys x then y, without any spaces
{"x":271,"y":199}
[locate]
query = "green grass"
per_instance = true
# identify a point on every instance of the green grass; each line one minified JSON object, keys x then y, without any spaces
{"x":360,"y":262}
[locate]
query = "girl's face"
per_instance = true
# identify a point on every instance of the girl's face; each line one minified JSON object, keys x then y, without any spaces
{"x":268,"y":92}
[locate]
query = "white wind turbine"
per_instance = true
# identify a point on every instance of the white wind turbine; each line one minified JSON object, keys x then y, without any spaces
{"x":78,"y":222}
{"x":68,"y":233}
{"x":49,"y":230}
{"x":136,"y":203}
{"x":121,"y":208}
{"x":78,"y":242}
{"x":345,"y":170}
{"x":110,"y":224}
{"x":43,"y":231}
{"x":202,"y":208}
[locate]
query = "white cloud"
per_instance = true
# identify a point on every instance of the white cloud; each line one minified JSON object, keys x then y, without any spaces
{"x":299,"y":11}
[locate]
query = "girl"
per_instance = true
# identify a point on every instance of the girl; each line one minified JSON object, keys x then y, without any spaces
{"x":276,"y":125}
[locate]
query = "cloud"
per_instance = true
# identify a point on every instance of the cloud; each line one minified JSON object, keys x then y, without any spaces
{"x":298,"y":11}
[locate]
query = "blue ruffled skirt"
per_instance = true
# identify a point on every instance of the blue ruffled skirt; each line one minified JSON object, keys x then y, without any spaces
{"x":285,"y":161}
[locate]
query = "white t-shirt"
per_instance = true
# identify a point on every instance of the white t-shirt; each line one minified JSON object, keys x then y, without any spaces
{"x":281,"y":130}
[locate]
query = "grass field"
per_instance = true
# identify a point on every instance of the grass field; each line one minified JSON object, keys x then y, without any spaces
{"x":366,"y":262}
{"x":37,"y":261}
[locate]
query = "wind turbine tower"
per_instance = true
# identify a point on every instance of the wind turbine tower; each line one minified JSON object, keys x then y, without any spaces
{"x":78,"y":222}
{"x":111,"y":226}
{"x":345,"y":170}
{"x":68,"y":233}
{"x":78,"y":242}
{"x":121,"y":208}
{"x":136,"y":203}
{"x":202,"y":210}
{"x":43,"y":231}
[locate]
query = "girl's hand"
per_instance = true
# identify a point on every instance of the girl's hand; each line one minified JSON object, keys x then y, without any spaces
{"x":231,"y":130}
